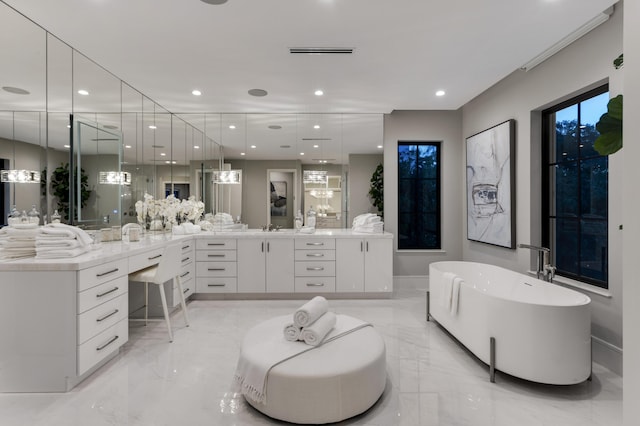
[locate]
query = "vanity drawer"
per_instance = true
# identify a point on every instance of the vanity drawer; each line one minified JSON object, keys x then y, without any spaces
{"x":188,"y":287}
{"x":102,"y":293}
{"x":315,"y":284}
{"x":217,"y":285}
{"x":216,"y":255}
{"x":315,"y":269}
{"x":188,"y":247}
{"x":315,"y":254}
{"x":146,"y":259}
{"x":187,"y":272}
{"x":187,"y":258}
{"x":216,"y":244}
{"x":315,"y":243}
{"x":102,"y":345}
{"x":101,"y":317}
{"x":91,"y":277}
{"x":216,"y":269}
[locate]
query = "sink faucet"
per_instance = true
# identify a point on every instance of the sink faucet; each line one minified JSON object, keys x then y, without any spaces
{"x":545,"y":270}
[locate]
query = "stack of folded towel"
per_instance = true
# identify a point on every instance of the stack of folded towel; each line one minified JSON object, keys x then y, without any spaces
{"x":16,"y":243}
{"x":186,"y":228}
{"x":58,"y":241}
{"x":311,"y":322}
{"x":368,"y":223}
{"x":224,"y":221}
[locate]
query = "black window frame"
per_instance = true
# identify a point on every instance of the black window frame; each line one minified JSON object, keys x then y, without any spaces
{"x":547,"y":146}
{"x":417,"y":213}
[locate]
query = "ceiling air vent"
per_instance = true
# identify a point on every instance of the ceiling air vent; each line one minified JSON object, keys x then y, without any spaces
{"x":316,"y":139}
{"x":321,"y":50}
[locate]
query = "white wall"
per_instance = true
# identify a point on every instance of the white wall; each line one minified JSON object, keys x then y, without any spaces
{"x":442,"y":126}
{"x":631,"y":205}
{"x":522,"y":96}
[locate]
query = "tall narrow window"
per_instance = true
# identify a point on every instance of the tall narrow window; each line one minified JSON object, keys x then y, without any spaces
{"x":419,"y":195}
{"x":575,"y":189}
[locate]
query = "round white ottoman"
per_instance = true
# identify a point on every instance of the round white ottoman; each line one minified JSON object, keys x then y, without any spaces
{"x":334,"y":381}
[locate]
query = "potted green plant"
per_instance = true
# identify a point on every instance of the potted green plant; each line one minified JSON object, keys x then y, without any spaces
{"x":610,"y":124}
{"x":376,"y":190}
{"x":60,"y":188}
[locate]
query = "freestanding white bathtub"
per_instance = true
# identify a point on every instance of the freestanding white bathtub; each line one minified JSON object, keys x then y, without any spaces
{"x":542,"y":331}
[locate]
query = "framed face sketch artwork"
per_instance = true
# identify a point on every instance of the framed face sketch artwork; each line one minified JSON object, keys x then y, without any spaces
{"x":491,"y":185}
{"x":278,"y":198}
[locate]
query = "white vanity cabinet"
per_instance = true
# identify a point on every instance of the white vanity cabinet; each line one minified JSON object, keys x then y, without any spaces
{"x":216,"y":267}
{"x":364,"y":265}
{"x":265,"y":265}
{"x":315,"y":265}
{"x":187,"y":272}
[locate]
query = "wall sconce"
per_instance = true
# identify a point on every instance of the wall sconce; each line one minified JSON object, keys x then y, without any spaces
{"x":20,"y":176}
{"x":226,"y":176}
{"x":114,"y":178}
{"x":314,"y":176}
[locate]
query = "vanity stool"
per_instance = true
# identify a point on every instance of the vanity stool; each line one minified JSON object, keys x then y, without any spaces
{"x":329,"y":383}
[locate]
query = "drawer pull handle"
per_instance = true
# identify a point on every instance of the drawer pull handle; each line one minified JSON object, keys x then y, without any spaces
{"x":186,"y":290}
{"x":107,"y":273}
{"x":315,"y":244}
{"x":185,"y":259}
{"x":107,"y":292}
{"x":185,"y":247}
{"x":315,"y":255}
{"x":155,"y":257}
{"x":317,"y":268}
{"x":315,"y":284}
{"x":216,"y":255}
{"x":107,"y":316}
{"x":184,"y":275}
{"x":216,"y":285}
{"x":99,"y":348}
{"x":216,"y":269}
{"x":216,"y":244}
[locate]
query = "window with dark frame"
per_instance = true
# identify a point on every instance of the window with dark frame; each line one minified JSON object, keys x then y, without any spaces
{"x":419,"y":195}
{"x":575,"y":188}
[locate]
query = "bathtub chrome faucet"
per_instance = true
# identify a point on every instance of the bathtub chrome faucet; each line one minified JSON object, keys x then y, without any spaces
{"x":546,"y":271}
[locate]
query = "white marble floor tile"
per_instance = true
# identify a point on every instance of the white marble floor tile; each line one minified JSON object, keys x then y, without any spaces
{"x":432,"y":380}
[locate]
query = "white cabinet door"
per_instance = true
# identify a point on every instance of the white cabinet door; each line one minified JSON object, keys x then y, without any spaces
{"x":280,"y":265}
{"x":251,"y":265}
{"x":378,"y":265}
{"x":350,"y":265}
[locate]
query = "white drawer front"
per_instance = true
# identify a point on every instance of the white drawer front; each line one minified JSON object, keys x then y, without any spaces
{"x":188,"y":247}
{"x":101,"y":346}
{"x":315,"y":255}
{"x":315,"y":269}
{"x":216,"y":269}
{"x":101,"y":317}
{"x":315,"y":243}
{"x":146,"y":259}
{"x":216,"y":244}
{"x":315,"y":284}
{"x":91,"y":277}
{"x":216,"y":255}
{"x":217,"y":285}
{"x":187,"y":258}
{"x":188,"y":272}
{"x":102,"y":293}
{"x":188,"y":287}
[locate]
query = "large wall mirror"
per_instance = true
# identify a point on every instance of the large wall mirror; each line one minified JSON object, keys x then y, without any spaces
{"x":60,"y":109}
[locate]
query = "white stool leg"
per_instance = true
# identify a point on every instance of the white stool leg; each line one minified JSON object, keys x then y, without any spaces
{"x":146,"y":303}
{"x":166,"y":311}
{"x":182,"y":301}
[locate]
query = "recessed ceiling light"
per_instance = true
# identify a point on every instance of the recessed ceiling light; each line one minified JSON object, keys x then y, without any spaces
{"x":68,"y":126}
{"x":440,"y":93}
{"x":275,"y":127}
{"x":128,"y":146}
{"x":83,"y":92}
{"x":196,"y":147}
{"x":257,"y":92}
{"x":152,"y":127}
{"x":214,"y":1}
{"x":67,"y":146}
{"x":317,"y":126}
{"x":242,"y":153}
{"x":379,"y":146}
{"x":302,"y":153}
{"x":162,"y":154}
{"x":232,"y":127}
{"x":253,"y":147}
{"x":318,"y":92}
{"x":196,"y":92}
{"x":316,"y":146}
{"x":15,"y":90}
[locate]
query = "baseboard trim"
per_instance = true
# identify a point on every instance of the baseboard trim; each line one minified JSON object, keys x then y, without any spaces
{"x":607,"y":354}
{"x":411,"y":282}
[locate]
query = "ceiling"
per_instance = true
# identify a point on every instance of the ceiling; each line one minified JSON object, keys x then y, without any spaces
{"x":403,"y":52}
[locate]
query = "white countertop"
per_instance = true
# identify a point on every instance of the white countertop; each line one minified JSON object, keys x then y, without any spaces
{"x":115,"y":250}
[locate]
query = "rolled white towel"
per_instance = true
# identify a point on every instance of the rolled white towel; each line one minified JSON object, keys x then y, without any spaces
{"x":315,"y":333}
{"x":310,"y":311}
{"x":292,"y":332}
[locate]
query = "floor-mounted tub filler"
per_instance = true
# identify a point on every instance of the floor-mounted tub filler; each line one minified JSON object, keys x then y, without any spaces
{"x":517,"y":324}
